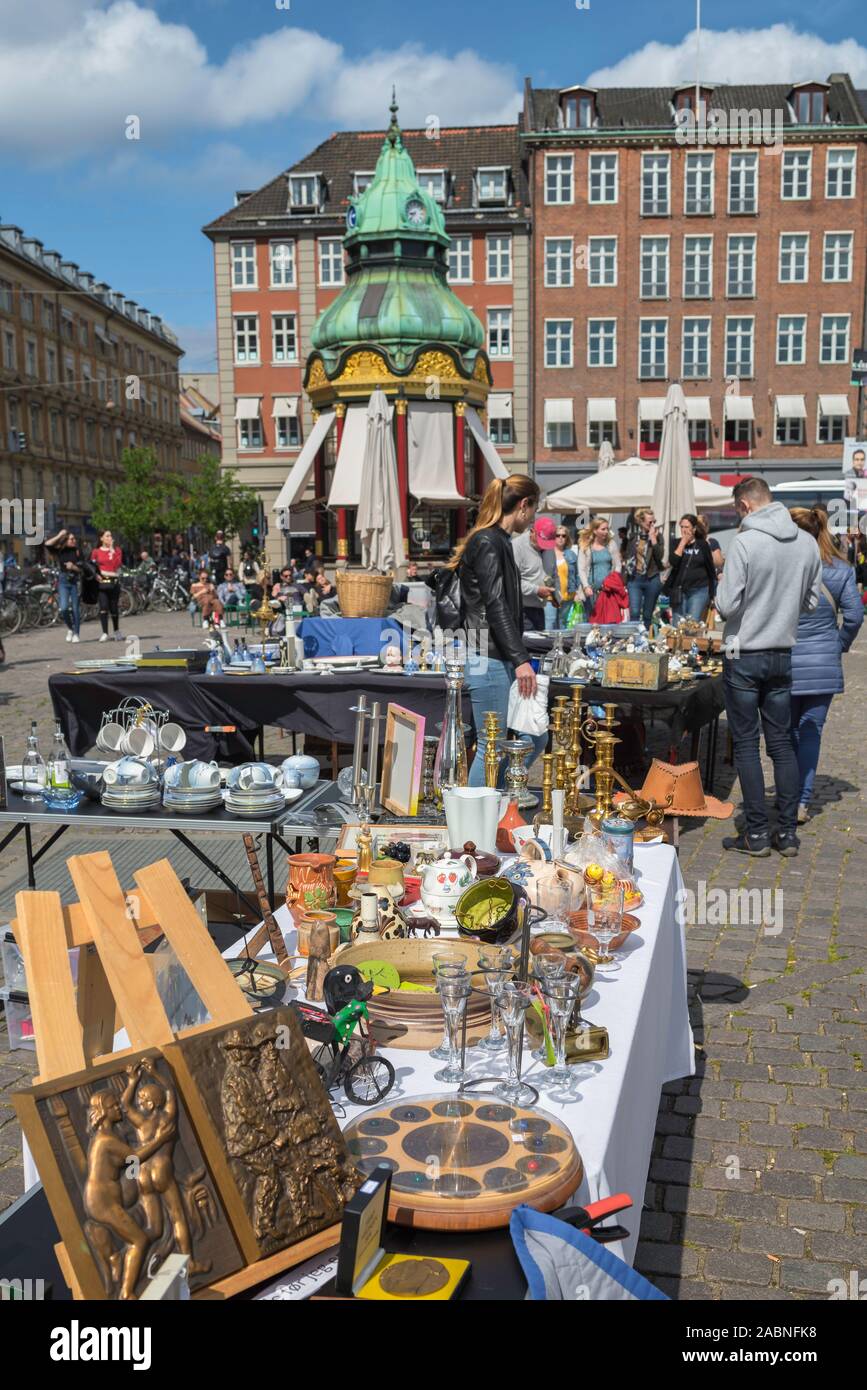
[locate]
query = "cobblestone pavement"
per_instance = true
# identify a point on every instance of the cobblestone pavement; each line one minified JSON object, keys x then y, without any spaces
{"x":758,"y":1181}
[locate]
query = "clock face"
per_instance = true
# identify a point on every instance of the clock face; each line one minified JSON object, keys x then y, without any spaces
{"x":416,"y":212}
{"x":351,"y":218}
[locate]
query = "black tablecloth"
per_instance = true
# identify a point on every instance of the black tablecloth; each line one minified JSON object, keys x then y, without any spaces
{"x":692,"y":705}
{"x":304,"y":703}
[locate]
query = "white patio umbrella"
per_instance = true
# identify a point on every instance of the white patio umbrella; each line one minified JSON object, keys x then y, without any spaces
{"x":674,"y":490}
{"x":606,"y":455}
{"x":625,"y":485}
{"x":378,"y":520}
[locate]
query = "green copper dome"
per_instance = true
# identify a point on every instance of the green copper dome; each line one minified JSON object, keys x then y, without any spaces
{"x":397,"y":295}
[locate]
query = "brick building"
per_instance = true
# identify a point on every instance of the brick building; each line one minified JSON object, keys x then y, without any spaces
{"x":84,"y":373}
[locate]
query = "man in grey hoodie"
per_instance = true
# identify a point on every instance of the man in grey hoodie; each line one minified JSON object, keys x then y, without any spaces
{"x":773,"y":574}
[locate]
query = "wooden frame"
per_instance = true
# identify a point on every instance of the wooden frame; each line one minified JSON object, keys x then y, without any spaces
{"x":402,"y":760}
{"x":416,"y":836}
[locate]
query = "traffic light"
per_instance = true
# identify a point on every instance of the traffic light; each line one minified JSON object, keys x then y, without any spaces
{"x":22,"y":442}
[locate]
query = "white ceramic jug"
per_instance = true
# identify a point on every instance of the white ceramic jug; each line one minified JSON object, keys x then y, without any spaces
{"x":473,"y":813}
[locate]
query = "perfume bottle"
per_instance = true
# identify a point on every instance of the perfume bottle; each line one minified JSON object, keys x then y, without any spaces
{"x":57,"y":772}
{"x":450,"y":764}
{"x":214,"y":666}
{"x":33,"y":767}
{"x":236,"y":658}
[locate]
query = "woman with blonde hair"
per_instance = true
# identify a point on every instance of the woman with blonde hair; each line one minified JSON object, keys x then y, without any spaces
{"x":642,"y":561}
{"x":491,"y":610}
{"x":598,"y":556}
{"x":817,"y":665}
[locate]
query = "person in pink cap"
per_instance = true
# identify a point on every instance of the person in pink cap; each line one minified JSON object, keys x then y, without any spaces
{"x":537,"y":566}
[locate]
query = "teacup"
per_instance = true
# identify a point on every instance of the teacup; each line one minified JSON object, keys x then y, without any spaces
{"x":108,"y":739}
{"x":254,"y":776}
{"x":291,"y":778}
{"x":138,"y":742}
{"x":130,"y":772}
{"x":202,"y":774}
{"x":172,"y":738}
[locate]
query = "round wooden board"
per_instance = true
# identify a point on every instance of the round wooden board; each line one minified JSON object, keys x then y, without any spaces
{"x":463,"y":1162}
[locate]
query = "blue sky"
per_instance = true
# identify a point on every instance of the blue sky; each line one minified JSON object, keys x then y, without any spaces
{"x":228,"y":92}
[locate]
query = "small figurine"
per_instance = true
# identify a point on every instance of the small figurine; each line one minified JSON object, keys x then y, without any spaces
{"x":317,"y":962}
{"x":344,"y":984}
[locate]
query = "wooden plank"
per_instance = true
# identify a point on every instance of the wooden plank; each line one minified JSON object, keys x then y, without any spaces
{"x":78,"y":929}
{"x":42,"y":939}
{"x":192,"y":943}
{"x":272,"y":1265}
{"x":129,"y":973}
{"x":96,"y":1006}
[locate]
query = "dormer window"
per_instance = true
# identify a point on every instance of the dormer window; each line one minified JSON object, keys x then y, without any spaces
{"x":687,"y":100}
{"x":433,"y":181}
{"x":810,"y":105}
{"x":578,"y":110}
{"x":304,"y":192}
{"x":361,"y":181}
{"x":492,"y":186}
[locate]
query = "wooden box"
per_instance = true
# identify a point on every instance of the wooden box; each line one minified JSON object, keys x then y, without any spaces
{"x":636,"y":670}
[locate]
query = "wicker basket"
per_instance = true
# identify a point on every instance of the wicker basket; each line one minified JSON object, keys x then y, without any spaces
{"x":363,"y":595}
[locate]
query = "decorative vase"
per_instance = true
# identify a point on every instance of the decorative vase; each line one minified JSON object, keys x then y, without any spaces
{"x":450,"y":764}
{"x":311,"y":883}
{"x":344,"y":877}
{"x":305,"y":922}
{"x":510,"y":821}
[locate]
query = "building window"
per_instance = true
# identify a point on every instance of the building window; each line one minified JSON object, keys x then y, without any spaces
{"x":433,"y":182}
{"x":48,"y":316}
{"x":243,"y":265}
{"x":699,"y":436}
{"x":794,"y":258}
{"x":500,"y":431}
{"x":558,"y":342}
{"x":6,"y":295}
{"x":250,"y":434}
{"x":837,"y":257}
{"x":558,"y":434}
{"x":9,"y":349}
{"x":492,"y":186}
{"x":90,"y":437}
{"x":696,"y":348}
{"x":832,"y":429}
{"x":579,"y":111}
{"x":304,"y":190}
{"x":31,"y":360}
{"x":796,"y":174}
{"x":361,"y":181}
{"x":68,"y":369}
{"x":559,"y":178}
{"x":282,"y":259}
{"x":72,"y":432}
{"x":697,"y":267}
{"x":655,"y":181}
{"x":649,"y":438}
{"x":840,"y":174}
{"x":810,"y":108}
{"x":558,"y":262}
{"x":36,"y":429}
{"x":790,"y":430}
{"x":600,"y":432}
{"x":288,"y":432}
{"x":739,"y":347}
{"x":246,"y":338}
{"x":698,"y":184}
{"x":834,"y":340}
{"x":602,"y":178}
{"x":50,"y":363}
{"x":653,"y":348}
{"x":499,"y":332}
{"x":791,"y":340}
{"x":499,"y":258}
{"x":330,"y":261}
{"x":741,"y":267}
{"x":654,"y":267}
{"x":86,"y":379}
{"x":27,"y":306}
{"x":284,"y":339}
{"x":55,"y":429}
{"x":602,"y":262}
{"x":461,"y":260}
{"x":601,"y":342}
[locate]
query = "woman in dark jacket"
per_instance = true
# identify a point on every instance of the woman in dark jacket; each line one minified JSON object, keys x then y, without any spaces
{"x":642,"y":564}
{"x":691,"y":584}
{"x":817,"y":666}
{"x":491,"y":607}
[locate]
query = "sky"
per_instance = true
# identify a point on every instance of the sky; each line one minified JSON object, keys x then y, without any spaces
{"x":229,"y":92}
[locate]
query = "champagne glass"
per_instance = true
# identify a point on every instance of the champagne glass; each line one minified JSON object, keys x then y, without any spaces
{"x":454,"y":991}
{"x":446,"y":964}
{"x":605,"y":918}
{"x":496,"y":966}
{"x":546,"y":967}
{"x":557,"y":901}
{"x":560,"y":996}
{"x":514,"y":1003}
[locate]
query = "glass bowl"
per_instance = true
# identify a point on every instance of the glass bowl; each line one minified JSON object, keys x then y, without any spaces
{"x":56,"y":799}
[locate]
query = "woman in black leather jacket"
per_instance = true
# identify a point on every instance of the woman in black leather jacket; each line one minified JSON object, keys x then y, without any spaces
{"x":491,"y":607}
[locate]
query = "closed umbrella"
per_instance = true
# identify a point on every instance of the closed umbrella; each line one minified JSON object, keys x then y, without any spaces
{"x":674,"y":489}
{"x":606,"y":455}
{"x":378,"y":520}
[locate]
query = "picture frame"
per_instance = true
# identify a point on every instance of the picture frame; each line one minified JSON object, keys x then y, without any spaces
{"x":402,"y":760}
{"x":420,"y":838}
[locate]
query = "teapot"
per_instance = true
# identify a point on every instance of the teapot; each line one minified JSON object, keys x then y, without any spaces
{"x":443,"y":882}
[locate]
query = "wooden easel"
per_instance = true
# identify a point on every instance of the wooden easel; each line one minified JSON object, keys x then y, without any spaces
{"x":115,"y":979}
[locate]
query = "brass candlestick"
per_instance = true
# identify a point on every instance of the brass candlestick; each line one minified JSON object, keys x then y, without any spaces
{"x":600,"y":733}
{"x":545,"y":814}
{"x":492,"y":748}
{"x":265,"y":615}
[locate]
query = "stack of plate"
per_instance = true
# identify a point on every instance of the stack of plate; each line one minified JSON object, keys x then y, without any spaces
{"x":192,"y":801}
{"x":131,"y":799}
{"x":263,"y":800}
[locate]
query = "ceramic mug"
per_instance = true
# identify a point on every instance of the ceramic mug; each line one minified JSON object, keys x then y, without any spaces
{"x":138,"y":742}
{"x":254,"y":775}
{"x":202,"y":774}
{"x":291,"y":778}
{"x":129,"y":772}
{"x":172,"y":738}
{"x":109,"y":737}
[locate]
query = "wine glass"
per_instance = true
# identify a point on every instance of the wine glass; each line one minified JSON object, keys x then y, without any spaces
{"x":560,"y":996}
{"x":446,"y":964}
{"x":496,"y":967}
{"x":454,"y":991}
{"x":557,"y":895}
{"x":515,"y":1000}
{"x":604,"y":918}
{"x":547,"y":966}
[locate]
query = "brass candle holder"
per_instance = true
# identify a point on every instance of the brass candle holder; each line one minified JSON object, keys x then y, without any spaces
{"x":492,"y":748}
{"x":600,"y":733}
{"x":265,"y":615}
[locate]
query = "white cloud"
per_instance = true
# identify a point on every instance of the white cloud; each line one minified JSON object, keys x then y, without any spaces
{"x":66,"y":89}
{"x":220,"y":164}
{"x":779,"y":53}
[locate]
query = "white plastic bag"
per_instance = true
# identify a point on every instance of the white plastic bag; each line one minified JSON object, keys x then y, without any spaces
{"x":529,"y":716}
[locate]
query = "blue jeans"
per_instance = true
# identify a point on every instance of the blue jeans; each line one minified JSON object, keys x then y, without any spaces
{"x":488,"y":689}
{"x":68,"y":603}
{"x":643,"y":593}
{"x":809,"y":713}
{"x":692,"y":604}
{"x":758,"y":688}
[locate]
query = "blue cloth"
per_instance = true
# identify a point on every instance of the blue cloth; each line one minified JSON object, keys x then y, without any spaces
{"x":758,"y":687}
{"x":817,"y":667}
{"x":809,"y":713}
{"x":488,"y":683}
{"x":68,"y":601}
{"x":349,"y":636}
{"x":601,"y":565}
{"x":693,"y":604}
{"x":561,"y":1263}
{"x":643,"y":593}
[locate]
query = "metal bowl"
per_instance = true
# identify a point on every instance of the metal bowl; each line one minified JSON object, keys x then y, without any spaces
{"x":488,"y":911}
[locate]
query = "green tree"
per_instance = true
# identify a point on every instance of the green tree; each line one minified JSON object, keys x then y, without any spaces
{"x":141,"y":503}
{"x":214,"y":500}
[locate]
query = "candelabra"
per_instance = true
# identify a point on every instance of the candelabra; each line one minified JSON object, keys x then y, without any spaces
{"x":600,"y":734}
{"x":265,"y":615}
{"x":492,"y":748}
{"x":567,"y":724}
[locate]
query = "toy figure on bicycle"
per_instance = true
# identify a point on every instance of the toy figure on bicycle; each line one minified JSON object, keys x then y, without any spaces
{"x":367,"y":1079}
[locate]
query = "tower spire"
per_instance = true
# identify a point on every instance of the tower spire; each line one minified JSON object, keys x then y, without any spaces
{"x":393,"y":135}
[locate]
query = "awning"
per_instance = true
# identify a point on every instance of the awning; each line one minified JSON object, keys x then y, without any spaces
{"x":299,"y":474}
{"x":346,"y":483}
{"x":833,"y":405}
{"x":500,"y":405}
{"x":559,"y":412}
{"x":738,"y":408}
{"x":791,"y":408}
{"x":247,"y":408}
{"x":480,"y":435}
{"x":601,"y":409}
{"x":698,"y":408}
{"x":651,"y":407}
{"x":285,"y":406}
{"x":431,"y":436}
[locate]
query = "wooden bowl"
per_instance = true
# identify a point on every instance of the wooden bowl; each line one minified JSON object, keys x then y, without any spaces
{"x":585,"y":938}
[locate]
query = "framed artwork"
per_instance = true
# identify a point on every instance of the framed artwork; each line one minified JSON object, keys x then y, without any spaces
{"x":423,"y":840}
{"x":125,"y":1176}
{"x":402,"y":760}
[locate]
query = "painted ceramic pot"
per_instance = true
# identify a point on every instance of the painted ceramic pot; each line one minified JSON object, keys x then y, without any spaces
{"x":311,"y":883}
{"x":443,"y":882}
{"x":306,"y":921}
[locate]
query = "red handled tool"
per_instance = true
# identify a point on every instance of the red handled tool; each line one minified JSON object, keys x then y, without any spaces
{"x":587,"y":1218}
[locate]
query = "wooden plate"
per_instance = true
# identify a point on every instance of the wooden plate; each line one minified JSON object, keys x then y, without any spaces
{"x":586,"y":939}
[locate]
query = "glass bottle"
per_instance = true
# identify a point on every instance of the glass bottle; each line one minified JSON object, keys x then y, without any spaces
{"x":57,"y":772}
{"x":450,"y":764}
{"x":236,"y":654}
{"x":33,"y":768}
